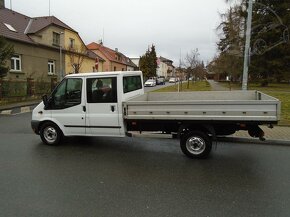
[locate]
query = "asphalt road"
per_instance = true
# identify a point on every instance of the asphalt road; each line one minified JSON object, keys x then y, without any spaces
{"x":137,"y":177}
{"x":148,"y":89}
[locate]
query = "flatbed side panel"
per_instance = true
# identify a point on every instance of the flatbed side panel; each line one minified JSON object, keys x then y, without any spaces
{"x":204,"y":96}
{"x":262,"y":111}
{"x":215,"y":105}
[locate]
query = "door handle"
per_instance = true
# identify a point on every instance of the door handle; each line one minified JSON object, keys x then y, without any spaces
{"x":84,"y":108}
{"x":112,"y":108}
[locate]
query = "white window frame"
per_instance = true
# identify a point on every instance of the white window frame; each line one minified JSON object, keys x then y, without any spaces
{"x":15,"y":58}
{"x":51,"y":67}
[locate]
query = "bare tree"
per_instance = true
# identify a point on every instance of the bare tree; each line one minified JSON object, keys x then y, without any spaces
{"x":191,"y":61}
{"x":77,"y":55}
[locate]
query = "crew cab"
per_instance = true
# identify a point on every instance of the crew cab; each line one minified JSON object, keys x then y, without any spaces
{"x":113,"y":104}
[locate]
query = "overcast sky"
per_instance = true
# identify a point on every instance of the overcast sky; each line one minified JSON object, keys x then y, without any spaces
{"x":131,"y":25}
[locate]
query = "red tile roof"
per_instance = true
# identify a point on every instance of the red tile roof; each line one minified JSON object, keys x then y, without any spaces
{"x":111,"y":54}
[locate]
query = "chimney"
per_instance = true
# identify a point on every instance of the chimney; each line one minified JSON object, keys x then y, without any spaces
{"x":116,"y":49}
{"x":2,"y":4}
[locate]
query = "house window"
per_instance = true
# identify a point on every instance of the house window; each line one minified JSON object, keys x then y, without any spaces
{"x":115,"y":68}
{"x":72,"y":43}
{"x":51,"y":67}
{"x":16,"y":63}
{"x":56,"y":38}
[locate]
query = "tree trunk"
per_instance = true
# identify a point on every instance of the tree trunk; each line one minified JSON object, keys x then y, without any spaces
{"x":1,"y":87}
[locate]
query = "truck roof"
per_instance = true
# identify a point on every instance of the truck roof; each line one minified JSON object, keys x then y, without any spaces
{"x":89,"y":74}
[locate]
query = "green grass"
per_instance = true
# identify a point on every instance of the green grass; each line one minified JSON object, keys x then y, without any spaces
{"x":193,"y":86}
{"x":279,"y":91}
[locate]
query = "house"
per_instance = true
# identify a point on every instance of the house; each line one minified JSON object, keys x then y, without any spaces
{"x":136,"y":61}
{"x":165,"y":67}
{"x":44,"y":47}
{"x":114,"y":60}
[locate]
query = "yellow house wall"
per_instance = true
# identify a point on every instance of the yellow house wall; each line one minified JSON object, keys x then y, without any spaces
{"x":87,"y":63}
{"x":79,"y":45}
{"x":45,"y":36}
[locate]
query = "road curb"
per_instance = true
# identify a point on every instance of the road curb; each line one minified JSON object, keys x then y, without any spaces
{"x":18,"y":110}
{"x":6,"y":112}
{"x":219,"y":139}
{"x":18,"y":105}
{"x":256,"y":141}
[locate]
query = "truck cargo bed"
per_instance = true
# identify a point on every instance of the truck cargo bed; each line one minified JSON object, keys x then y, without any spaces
{"x":204,"y":105}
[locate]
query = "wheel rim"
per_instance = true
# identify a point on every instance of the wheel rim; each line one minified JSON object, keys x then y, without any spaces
{"x":195,"y":145}
{"x":50,"y":134}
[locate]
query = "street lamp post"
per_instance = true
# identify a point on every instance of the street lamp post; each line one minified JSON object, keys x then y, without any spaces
{"x":60,"y":57}
{"x":247,"y":46}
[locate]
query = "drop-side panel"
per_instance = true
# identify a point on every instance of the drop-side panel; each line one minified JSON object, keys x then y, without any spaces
{"x":232,"y":106}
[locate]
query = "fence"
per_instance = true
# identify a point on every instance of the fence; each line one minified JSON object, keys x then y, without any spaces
{"x":23,"y":89}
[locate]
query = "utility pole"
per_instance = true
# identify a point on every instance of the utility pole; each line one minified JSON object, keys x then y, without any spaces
{"x":48,"y":7}
{"x":179,"y":69}
{"x":61,"y":75}
{"x":247,"y":46}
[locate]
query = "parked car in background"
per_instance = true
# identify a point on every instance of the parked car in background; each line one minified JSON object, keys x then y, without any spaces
{"x":160,"y":80}
{"x":172,"y":80}
{"x":150,"y":83}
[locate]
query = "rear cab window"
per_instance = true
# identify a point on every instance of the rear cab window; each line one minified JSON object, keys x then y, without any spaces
{"x":131,"y":83}
{"x":102,"y":90}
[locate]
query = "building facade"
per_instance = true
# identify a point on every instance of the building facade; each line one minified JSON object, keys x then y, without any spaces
{"x":114,"y":60}
{"x":44,"y":47}
{"x":165,"y":67}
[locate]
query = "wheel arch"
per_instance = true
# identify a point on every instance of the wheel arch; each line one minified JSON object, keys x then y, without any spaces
{"x":51,"y":121}
{"x":206,"y":128}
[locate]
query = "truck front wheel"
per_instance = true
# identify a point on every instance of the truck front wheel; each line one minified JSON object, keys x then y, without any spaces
{"x":196,"y":144}
{"x":50,"y":133}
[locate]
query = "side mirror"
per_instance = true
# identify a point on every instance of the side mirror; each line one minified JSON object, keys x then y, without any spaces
{"x":45,"y":101}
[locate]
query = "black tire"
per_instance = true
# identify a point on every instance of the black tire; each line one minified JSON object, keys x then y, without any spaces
{"x":196,"y":144}
{"x":50,"y":134}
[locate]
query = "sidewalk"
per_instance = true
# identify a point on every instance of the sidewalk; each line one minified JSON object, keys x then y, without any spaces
{"x":7,"y":109}
{"x":278,"y":134}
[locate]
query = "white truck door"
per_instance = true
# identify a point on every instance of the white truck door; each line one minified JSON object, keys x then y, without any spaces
{"x":67,"y":107}
{"x":102,"y":117}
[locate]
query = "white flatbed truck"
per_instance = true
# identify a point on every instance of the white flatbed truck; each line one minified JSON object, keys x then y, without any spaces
{"x":114,"y":104}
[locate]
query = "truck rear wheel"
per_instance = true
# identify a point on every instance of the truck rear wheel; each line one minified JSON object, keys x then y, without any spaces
{"x":196,"y":144}
{"x":50,"y":133}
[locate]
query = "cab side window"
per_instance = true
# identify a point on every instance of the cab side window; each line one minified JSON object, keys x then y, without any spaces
{"x":68,"y":94}
{"x":131,"y":83}
{"x":102,"y":90}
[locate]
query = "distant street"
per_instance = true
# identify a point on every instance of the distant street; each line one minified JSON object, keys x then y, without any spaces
{"x":137,"y":177}
{"x":148,"y":89}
